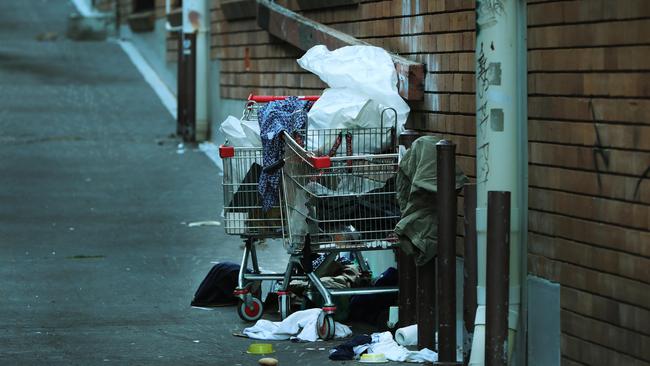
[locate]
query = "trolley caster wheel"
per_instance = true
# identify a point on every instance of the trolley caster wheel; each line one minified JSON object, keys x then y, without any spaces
{"x":252,"y":312}
{"x":284,"y":303}
{"x":325,"y":326}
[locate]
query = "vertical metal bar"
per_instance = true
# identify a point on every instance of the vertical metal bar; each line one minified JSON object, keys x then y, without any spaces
{"x":189,"y":54}
{"x":446,"y":155}
{"x":407,"y":292}
{"x":180,"y":87}
{"x":426,"y":303}
{"x":469,"y":268}
{"x":497,"y":278}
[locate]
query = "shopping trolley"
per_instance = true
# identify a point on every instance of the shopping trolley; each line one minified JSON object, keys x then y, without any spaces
{"x":339,"y":197}
{"x":243,"y":214}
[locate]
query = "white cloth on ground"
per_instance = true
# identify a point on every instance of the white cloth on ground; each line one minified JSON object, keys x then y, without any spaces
{"x":300,"y":325}
{"x":384,"y":343}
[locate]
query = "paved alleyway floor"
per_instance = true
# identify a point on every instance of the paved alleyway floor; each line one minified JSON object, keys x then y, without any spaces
{"x":97,"y":262}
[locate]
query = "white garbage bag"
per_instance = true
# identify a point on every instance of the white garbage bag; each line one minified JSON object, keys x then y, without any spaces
{"x":241,"y":133}
{"x":363,"y":82}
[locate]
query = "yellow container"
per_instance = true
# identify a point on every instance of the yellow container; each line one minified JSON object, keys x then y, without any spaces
{"x":260,"y":348}
{"x":373,"y":358}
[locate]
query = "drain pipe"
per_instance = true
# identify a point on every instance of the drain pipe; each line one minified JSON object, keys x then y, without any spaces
{"x":497,"y":147}
{"x":196,"y":20}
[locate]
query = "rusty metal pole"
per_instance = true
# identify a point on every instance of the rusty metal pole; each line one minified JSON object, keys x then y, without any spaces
{"x":426,"y":303}
{"x":498,"y":262}
{"x":446,"y":154}
{"x":470,"y":259}
{"x":407,"y":292}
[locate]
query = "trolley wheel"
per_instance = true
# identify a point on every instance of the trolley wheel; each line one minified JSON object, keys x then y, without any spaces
{"x":325,"y":326}
{"x":284,"y":302}
{"x":252,"y":312}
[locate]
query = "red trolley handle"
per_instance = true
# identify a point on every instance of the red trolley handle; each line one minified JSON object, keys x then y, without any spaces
{"x":271,"y":98}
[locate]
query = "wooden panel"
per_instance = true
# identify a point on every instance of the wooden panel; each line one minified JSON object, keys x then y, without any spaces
{"x":593,"y":354}
{"x":590,"y":134}
{"x":304,"y":34}
{"x":238,"y":9}
{"x":591,"y":84}
{"x":601,"y":259}
{"x":590,"y":109}
{"x":590,"y":59}
{"x":586,"y":11}
{"x":611,"y":311}
{"x":597,"y":184}
{"x":595,"y":233}
{"x":633,"y":32}
{"x":623,"y":289}
{"x":619,"y":339}
{"x":599,"y":209}
{"x":633,"y":163}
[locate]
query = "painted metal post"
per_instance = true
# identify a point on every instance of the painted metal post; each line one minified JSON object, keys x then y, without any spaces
{"x":186,"y":103}
{"x":181,"y":88}
{"x":498,"y":256}
{"x":446,"y":168}
{"x":498,"y":145}
{"x":407,"y":291}
{"x":406,"y":264}
{"x":469,"y":258}
{"x":426,"y":303}
{"x":196,"y":26}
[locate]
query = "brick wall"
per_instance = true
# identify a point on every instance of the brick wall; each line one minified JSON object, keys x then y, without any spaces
{"x":589,"y":152}
{"x":438,"y":33}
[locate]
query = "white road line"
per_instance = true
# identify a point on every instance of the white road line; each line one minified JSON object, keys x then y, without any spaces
{"x":84,"y":8}
{"x":167,"y":98}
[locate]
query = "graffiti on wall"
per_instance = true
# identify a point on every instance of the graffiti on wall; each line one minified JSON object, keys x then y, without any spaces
{"x":487,"y":12}
{"x":482,"y":115}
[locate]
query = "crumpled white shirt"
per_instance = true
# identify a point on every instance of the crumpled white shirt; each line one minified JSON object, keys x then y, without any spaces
{"x":300,"y":325}
{"x":384,"y":343}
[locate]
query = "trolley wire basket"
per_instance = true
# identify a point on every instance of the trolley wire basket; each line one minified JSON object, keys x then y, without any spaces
{"x":339,"y":188}
{"x":242,"y":204}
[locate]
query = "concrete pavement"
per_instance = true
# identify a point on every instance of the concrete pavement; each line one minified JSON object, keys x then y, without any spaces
{"x":97,"y":264}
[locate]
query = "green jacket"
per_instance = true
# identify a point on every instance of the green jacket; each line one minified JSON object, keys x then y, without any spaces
{"x":417,"y":184}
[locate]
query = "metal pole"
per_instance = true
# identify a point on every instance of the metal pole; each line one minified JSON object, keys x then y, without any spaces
{"x":407,"y":292}
{"x":497,"y":278}
{"x":446,"y":154}
{"x":426,"y":303}
{"x":180,"y":87}
{"x":470,"y":260}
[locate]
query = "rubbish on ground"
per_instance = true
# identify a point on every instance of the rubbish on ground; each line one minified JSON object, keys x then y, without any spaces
{"x":260,"y":348}
{"x":346,"y":350}
{"x":268,"y":361}
{"x":373,"y":358}
{"x":373,"y":309}
{"x":81,"y":256}
{"x":47,"y":36}
{"x":393,"y":317}
{"x":218,"y":286}
{"x":300,"y":326}
{"x":407,"y":336}
{"x":204,"y":223}
{"x":180,"y":149}
{"x":384,"y":343}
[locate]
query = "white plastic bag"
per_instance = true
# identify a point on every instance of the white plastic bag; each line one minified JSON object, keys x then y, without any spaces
{"x":361,"y":79}
{"x":241,"y":133}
